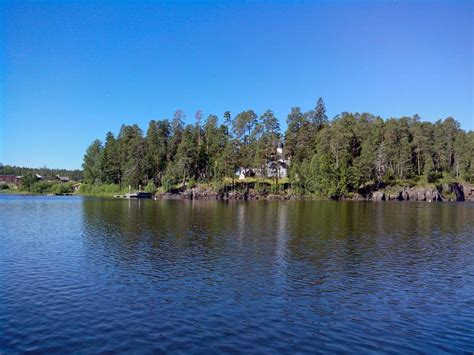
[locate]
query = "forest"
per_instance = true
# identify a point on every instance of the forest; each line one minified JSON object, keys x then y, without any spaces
{"x":332,"y":158}
{"x":75,"y":175}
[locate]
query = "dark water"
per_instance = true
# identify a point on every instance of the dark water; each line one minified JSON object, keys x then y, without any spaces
{"x":92,"y":275}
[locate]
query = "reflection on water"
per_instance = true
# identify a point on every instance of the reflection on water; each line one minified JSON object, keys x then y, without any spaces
{"x":192,"y":276}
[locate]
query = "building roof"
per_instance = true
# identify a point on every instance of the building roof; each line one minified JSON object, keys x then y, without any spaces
{"x":62,"y":178}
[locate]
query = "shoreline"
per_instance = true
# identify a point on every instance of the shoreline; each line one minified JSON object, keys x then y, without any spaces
{"x":454,"y":192}
{"x":164,"y":197}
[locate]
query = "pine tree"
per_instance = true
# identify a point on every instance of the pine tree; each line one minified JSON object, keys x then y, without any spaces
{"x":110,"y":164}
{"x":92,"y":163}
{"x":319,"y":118}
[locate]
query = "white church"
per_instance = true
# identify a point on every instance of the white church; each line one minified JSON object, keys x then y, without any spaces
{"x":277,"y":168}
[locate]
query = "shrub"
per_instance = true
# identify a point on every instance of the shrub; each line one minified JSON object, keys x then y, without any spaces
{"x":41,"y":187}
{"x":191,"y":183}
{"x":150,"y":187}
{"x":106,"y":189}
{"x":261,"y":187}
{"x":218,"y":185}
{"x":27,"y":181}
{"x":61,"y":188}
{"x":167,"y":182}
{"x":274,"y":188}
{"x":433,"y":176}
{"x":112,"y":188}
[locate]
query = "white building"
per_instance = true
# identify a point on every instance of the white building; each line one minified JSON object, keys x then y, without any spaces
{"x":275,"y":168}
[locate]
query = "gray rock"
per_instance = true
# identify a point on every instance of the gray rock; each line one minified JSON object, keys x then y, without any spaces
{"x":421,"y":194}
{"x":433,"y":195}
{"x":378,"y":196}
{"x":468,"y":191}
{"x":404,"y":196}
{"x":357,"y":197}
{"x":429,"y":195}
{"x":395,"y":196}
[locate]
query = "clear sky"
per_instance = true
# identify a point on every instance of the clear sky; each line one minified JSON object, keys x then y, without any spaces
{"x":71,"y":71}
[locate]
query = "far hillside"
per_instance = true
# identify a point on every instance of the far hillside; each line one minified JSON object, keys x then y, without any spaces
{"x":74,"y":175}
{"x":14,"y":179}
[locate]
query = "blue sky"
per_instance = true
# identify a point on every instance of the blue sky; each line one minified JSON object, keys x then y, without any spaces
{"x":71,"y":71}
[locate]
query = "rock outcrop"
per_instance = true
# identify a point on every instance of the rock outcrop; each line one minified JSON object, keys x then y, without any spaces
{"x":404,"y":196}
{"x":430,"y":193}
{"x":378,"y":196}
{"x":468,"y":192}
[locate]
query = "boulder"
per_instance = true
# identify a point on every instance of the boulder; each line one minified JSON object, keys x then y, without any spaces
{"x":421,"y":194}
{"x":433,"y":195}
{"x":429,"y":195}
{"x":417,"y":193}
{"x":357,"y":197}
{"x":468,"y":191}
{"x":394,"y":196}
{"x":404,"y":196}
{"x":378,"y":196}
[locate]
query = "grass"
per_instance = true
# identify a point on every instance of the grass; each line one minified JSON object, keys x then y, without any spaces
{"x":14,"y":192}
{"x":249,"y":180}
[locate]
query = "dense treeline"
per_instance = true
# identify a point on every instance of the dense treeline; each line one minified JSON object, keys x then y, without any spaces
{"x":75,"y":175}
{"x":351,"y":153}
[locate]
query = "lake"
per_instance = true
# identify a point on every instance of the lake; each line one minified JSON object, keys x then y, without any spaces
{"x":97,"y":275}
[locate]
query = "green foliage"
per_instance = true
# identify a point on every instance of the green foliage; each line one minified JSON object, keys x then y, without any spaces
{"x":150,"y":187}
{"x":218,"y":185}
{"x":41,"y":187}
{"x":109,"y":164}
{"x":46,"y":187}
{"x":104,"y":189}
{"x":321,"y":176}
{"x":30,"y":183}
{"x":261,"y":187}
{"x":433,"y":176}
{"x":191,"y":183}
{"x":62,"y":188}
{"x":27,"y":181}
{"x":275,"y":188}
{"x":168,"y":182}
{"x":352,"y":153}
{"x":92,"y":163}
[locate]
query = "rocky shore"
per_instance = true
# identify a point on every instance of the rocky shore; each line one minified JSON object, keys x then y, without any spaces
{"x":445,"y":192}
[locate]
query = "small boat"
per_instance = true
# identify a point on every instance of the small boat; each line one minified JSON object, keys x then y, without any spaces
{"x":139,"y":194}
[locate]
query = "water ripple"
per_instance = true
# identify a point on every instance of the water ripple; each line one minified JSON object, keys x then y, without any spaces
{"x":95,"y":275}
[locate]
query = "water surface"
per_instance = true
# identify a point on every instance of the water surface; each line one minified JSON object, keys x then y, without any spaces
{"x":94,"y":275}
